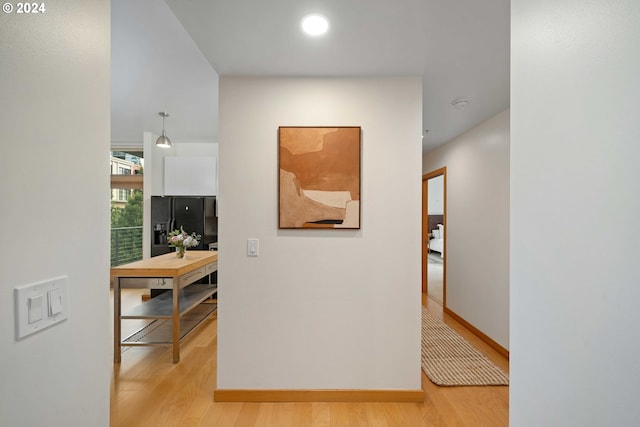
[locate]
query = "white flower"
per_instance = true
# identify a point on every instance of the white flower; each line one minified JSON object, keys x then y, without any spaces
{"x":187,"y":242}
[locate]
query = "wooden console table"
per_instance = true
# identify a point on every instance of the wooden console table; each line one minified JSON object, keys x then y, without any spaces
{"x":169,"y":272}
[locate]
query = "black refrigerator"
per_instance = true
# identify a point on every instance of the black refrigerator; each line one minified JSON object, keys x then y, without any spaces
{"x":193,"y":214}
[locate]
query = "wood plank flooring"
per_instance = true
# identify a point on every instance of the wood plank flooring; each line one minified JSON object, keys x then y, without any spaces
{"x":148,"y":390}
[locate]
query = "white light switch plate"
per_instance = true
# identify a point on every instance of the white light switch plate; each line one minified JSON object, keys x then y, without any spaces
{"x":253,"y":247}
{"x":40,"y":305}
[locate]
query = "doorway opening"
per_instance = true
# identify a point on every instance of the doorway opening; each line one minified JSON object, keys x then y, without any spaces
{"x":434,"y":207}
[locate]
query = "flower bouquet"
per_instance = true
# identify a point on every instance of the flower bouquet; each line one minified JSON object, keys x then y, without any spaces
{"x":180,"y":240}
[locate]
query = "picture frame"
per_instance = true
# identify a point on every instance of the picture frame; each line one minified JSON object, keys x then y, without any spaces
{"x":319,"y":181}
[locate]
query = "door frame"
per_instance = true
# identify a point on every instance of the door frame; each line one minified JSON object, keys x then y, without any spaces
{"x":425,"y":230}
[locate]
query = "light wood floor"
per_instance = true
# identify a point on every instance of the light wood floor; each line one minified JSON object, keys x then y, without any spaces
{"x":148,"y":390}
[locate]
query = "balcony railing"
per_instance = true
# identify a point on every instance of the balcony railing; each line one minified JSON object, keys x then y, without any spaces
{"x":126,"y":245}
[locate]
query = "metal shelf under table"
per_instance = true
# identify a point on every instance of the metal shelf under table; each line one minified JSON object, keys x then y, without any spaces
{"x":159,"y":331}
{"x":161,"y":306}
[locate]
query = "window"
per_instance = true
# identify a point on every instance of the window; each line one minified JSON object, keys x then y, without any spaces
{"x":126,"y":207}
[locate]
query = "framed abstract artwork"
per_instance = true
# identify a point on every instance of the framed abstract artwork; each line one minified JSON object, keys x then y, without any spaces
{"x":319,"y":183}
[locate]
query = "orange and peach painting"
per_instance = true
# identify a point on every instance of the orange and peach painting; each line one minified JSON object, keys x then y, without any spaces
{"x":319,"y":177}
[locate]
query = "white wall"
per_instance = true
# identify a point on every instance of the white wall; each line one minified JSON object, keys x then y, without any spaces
{"x":575,"y":209}
{"x":320,"y":309}
{"x":477,"y":234}
{"x":54,"y":208}
{"x":435,"y":205}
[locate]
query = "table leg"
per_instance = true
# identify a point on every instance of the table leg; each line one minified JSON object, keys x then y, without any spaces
{"x":116,"y":320}
{"x":176,"y":321}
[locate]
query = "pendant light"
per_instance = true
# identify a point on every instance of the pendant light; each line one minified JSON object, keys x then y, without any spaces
{"x":163,"y":140}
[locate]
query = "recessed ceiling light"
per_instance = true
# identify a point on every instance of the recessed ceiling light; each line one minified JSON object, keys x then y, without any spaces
{"x":315,"y":25}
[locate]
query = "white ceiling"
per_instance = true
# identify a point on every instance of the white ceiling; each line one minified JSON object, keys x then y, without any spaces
{"x":156,"y":66}
{"x":459,"y":47}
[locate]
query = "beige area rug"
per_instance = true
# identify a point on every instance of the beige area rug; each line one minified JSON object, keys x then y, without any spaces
{"x":450,"y":360}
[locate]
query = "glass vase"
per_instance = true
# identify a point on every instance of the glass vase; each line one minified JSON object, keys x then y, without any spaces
{"x":180,"y":251}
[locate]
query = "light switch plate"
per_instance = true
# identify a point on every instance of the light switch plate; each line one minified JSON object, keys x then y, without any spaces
{"x":40,"y":305}
{"x":253,"y":247}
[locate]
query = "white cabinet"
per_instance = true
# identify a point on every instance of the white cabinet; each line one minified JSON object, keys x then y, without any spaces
{"x":190,"y":176}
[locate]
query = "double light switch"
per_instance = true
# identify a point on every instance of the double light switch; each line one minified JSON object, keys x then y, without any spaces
{"x":40,"y":305}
